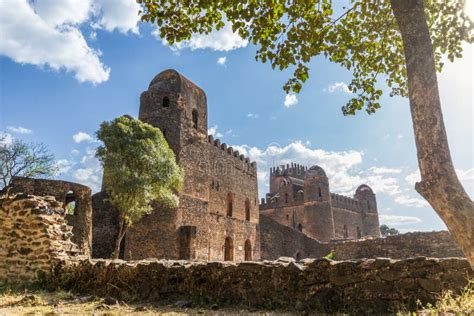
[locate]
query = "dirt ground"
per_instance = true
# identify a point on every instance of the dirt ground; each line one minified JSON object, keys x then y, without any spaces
{"x":64,"y":303}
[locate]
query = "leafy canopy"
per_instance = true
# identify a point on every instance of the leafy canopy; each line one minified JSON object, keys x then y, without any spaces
{"x":363,"y":38}
{"x":139,"y":167}
{"x":388,"y":231}
{"x":25,"y":160}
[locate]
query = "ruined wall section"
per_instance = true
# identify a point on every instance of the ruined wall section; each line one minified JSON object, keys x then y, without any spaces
{"x":34,"y":237}
{"x":347,"y":223}
{"x":282,"y":241}
{"x":430,"y":244}
{"x":315,"y":286}
{"x":81,"y":220}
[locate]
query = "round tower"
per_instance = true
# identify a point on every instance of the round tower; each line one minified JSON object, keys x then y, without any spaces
{"x":178,"y":108}
{"x":318,"y":216}
{"x":370,"y":215}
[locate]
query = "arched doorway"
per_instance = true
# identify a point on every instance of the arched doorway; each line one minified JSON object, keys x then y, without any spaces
{"x":70,"y":203}
{"x":248,"y":250}
{"x":298,"y":255}
{"x":247,"y":210}
{"x":230,"y":205}
{"x":228,"y":249}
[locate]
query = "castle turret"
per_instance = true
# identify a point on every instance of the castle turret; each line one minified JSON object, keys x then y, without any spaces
{"x":179,"y":109}
{"x":370,"y":217}
{"x":318,"y":215}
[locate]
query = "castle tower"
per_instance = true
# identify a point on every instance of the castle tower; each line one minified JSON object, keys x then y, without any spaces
{"x":370,"y":217}
{"x":318,"y":215}
{"x":179,"y":109}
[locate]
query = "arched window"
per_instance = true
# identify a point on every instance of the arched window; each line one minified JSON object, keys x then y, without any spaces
{"x":319,"y":192}
{"x":195,"y":119}
{"x":247,"y":210}
{"x":228,"y":249}
{"x":248,"y":250}
{"x":300,"y":227}
{"x":286,"y":197}
{"x":229,"y":204}
{"x":165,"y":102}
{"x":359,"y":233}
{"x":70,"y":203}
{"x":344,"y":231}
{"x":164,"y":132}
{"x":298,"y":255}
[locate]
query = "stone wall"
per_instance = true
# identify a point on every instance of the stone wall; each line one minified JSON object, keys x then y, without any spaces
{"x":363,"y":286}
{"x":279,"y":240}
{"x":81,"y":220}
{"x":34,"y":237}
{"x":430,"y":244}
{"x":282,"y":241}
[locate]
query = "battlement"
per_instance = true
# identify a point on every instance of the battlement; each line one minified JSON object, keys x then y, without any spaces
{"x":346,"y":202}
{"x":290,"y":169}
{"x":234,"y":154}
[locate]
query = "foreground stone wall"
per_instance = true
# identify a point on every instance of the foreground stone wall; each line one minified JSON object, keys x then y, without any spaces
{"x":430,"y":244}
{"x":34,"y":237}
{"x":279,"y":240}
{"x":375,"y":285}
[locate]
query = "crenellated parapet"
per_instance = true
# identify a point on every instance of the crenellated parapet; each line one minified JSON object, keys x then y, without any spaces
{"x":345,"y":202}
{"x":235,"y":157}
{"x":291,"y":169}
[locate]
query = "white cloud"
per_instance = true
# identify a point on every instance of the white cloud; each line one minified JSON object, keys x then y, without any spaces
{"x":253,"y":115}
{"x":465,"y":175}
{"x":212,"y":130}
{"x":384,"y":170}
{"x":61,"y":12}
{"x":290,"y":100}
{"x":121,"y":15}
{"x":83,"y":137}
{"x":338,"y":86}
{"x":28,"y":38}
{"x":5,"y":139}
{"x":399,"y":136}
{"x":19,"y":130}
{"x":413,"y":177}
{"x":64,"y":165}
{"x":398,"y":219}
{"x":90,"y":171}
{"x":410,"y":201}
{"x":93,"y":36}
{"x":222,"y":61}
{"x":223,"y":40}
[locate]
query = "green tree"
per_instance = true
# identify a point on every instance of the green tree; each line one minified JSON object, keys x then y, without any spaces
{"x":24,"y":160}
{"x":388,"y":231}
{"x":139,"y":167}
{"x":399,"y":41}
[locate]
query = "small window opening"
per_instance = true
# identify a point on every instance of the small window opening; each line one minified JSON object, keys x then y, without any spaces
{"x":247,"y":210}
{"x":228,"y":249}
{"x":195,"y":119}
{"x":359,"y":233}
{"x":319,"y":192}
{"x":248,"y":250}
{"x":300,"y":227}
{"x":70,"y":203}
{"x":165,"y":102}
{"x":229,"y":204}
{"x":286,"y":197}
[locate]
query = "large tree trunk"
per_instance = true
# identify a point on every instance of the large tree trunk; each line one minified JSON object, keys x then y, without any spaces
{"x":439,"y":184}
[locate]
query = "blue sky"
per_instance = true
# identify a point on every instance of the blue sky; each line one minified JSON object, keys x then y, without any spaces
{"x":66,"y":66}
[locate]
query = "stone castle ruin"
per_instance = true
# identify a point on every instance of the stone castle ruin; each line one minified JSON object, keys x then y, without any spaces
{"x":300,"y":198}
{"x":55,"y":230}
{"x":217,"y":217}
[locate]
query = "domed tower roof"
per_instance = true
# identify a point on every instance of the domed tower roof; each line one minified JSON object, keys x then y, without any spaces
{"x":315,"y":171}
{"x":364,"y":189}
{"x":172,"y":81}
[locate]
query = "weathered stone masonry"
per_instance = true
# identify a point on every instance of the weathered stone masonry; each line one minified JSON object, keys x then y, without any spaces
{"x":300,"y":198}
{"x":217,"y":217}
{"x":34,"y":237}
{"x":363,"y":286}
{"x":65,"y":192}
